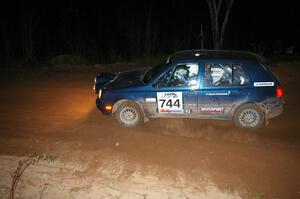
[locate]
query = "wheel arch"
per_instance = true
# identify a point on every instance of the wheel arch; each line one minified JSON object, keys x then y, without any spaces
{"x":237,"y":106}
{"x":122,"y":101}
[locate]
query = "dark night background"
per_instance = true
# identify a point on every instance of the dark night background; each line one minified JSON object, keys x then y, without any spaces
{"x":33,"y":31}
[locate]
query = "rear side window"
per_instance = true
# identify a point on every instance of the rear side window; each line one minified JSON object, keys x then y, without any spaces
{"x":225,"y":75}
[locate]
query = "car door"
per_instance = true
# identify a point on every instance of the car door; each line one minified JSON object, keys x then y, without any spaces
{"x":176,"y":92}
{"x":223,"y":85}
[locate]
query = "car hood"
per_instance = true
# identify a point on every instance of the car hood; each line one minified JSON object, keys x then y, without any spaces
{"x":128,"y":78}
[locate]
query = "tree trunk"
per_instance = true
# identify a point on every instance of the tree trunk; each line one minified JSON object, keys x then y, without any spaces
{"x":225,"y":22}
{"x":148,"y":32}
{"x":27,"y":39}
{"x":217,"y":31}
{"x":135,"y":38}
{"x":6,"y":41}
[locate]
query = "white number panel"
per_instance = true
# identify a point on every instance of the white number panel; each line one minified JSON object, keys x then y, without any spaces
{"x":169,"y":102}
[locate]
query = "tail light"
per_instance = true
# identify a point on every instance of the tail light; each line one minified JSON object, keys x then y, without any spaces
{"x":279,"y":91}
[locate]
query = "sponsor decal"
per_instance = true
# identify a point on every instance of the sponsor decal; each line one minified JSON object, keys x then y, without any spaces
{"x":169,"y":111}
{"x":164,"y":110}
{"x":262,"y":84}
{"x":212,"y":109}
{"x":150,"y":99}
{"x":217,"y":94}
{"x":169,"y":102}
{"x":169,"y":95}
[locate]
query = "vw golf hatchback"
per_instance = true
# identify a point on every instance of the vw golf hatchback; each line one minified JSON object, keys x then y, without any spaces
{"x":200,"y":84}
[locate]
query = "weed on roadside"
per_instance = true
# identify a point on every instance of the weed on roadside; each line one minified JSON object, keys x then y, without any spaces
{"x":23,"y":165}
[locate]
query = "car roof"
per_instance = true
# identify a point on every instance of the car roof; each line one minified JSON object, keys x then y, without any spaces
{"x":215,"y":54}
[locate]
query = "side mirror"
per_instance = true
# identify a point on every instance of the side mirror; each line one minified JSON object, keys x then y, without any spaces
{"x":157,"y":84}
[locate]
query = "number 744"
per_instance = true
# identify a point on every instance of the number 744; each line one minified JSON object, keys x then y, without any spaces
{"x":169,"y":103}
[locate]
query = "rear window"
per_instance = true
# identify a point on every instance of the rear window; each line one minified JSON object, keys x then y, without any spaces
{"x":269,"y":72}
{"x":225,"y":75}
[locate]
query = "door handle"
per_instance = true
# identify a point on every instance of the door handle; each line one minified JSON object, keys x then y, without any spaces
{"x":244,"y":92}
{"x":192,"y":92}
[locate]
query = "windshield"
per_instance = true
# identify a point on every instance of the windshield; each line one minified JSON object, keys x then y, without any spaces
{"x":155,"y":71}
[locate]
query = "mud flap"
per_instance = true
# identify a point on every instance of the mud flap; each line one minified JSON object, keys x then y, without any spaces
{"x":146,"y":119}
{"x":266,"y":115}
{"x":266,"y":120}
{"x":266,"y":111}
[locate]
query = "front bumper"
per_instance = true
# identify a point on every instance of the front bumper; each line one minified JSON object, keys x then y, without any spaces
{"x":101,"y":106}
{"x":97,"y":87}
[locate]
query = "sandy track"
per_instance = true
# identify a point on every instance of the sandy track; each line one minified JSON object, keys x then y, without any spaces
{"x":114,"y":179}
{"x":56,"y":114}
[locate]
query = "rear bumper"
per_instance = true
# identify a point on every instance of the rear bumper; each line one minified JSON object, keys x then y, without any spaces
{"x":275,"y":110}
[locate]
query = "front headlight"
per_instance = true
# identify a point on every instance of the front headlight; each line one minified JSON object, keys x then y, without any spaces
{"x":100,"y":93}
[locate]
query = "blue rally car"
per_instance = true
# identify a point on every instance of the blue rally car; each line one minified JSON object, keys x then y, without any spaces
{"x":203,"y":84}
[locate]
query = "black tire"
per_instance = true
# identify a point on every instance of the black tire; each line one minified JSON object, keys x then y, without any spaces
{"x":249,"y":116}
{"x":129,"y":114}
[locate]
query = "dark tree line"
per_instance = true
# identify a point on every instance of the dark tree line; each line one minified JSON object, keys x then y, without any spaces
{"x":34,"y":30}
{"x":120,"y":31}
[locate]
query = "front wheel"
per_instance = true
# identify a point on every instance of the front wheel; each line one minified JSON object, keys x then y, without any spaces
{"x":129,"y":115}
{"x":249,"y":116}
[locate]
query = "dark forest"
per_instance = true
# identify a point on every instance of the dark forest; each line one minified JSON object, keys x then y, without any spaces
{"x":34,"y":31}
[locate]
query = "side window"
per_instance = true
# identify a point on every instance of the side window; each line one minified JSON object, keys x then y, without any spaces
{"x":224,"y":75}
{"x":184,"y":76}
{"x":239,"y":75}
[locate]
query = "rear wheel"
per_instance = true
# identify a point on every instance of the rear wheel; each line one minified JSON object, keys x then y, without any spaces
{"x":249,"y":116}
{"x":129,"y":114}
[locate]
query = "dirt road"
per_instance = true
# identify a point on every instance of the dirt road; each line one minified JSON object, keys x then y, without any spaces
{"x":165,"y":158}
